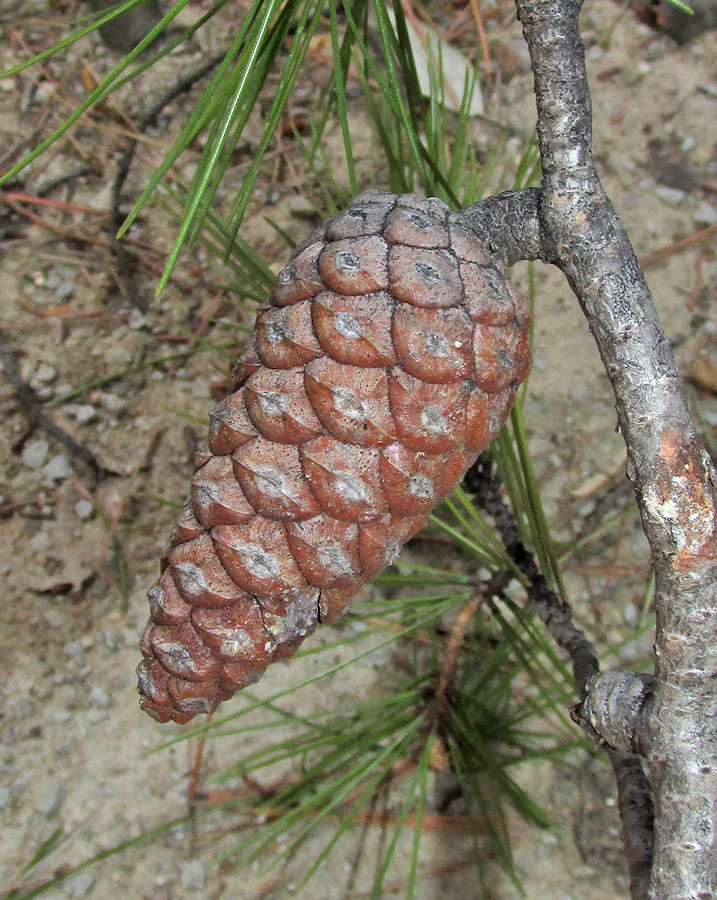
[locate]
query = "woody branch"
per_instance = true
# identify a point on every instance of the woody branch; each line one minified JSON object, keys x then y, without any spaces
{"x":570,"y":222}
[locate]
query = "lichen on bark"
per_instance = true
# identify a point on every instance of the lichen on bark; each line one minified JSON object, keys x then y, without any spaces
{"x":575,"y":227}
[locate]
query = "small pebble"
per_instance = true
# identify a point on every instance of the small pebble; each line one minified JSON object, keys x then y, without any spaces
{"x":57,"y":468}
{"x":84,"y":510}
{"x":45,"y":374}
{"x":43,"y":392}
{"x":301,"y":207}
{"x":705,"y":215}
{"x":117,"y":356}
{"x":51,"y":801}
{"x":20,"y":706}
{"x":64,"y":290}
{"x":4,"y":797}
{"x":80,"y":885}
{"x":200,"y":388}
{"x":35,"y":453}
{"x":112,"y":403}
{"x":192,"y":875}
{"x":40,"y":542}
{"x":85,"y":413}
{"x":669,"y":195}
{"x":60,"y":280}
{"x":8,"y":736}
{"x":73,"y":648}
{"x":99,"y":697}
{"x":122,"y":388}
{"x":136,"y":320}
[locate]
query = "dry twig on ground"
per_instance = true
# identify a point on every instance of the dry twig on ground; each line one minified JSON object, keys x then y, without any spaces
{"x":37,"y":417}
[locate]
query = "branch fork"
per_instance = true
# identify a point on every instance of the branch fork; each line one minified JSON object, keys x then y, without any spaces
{"x":669,"y":719}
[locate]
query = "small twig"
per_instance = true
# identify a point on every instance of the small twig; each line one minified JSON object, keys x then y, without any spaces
{"x":20,"y":197}
{"x":551,"y":609}
{"x":637,"y":818}
{"x":360,"y":850}
{"x":452,"y":651}
{"x":56,"y":312}
{"x":194,"y":768}
{"x":633,"y":791}
{"x":55,"y":229}
{"x":475,"y":9}
{"x":413,"y":20}
{"x":62,"y":180}
{"x":36,"y":416}
{"x":50,"y":316}
{"x":222,"y":796}
{"x":664,"y":252}
{"x":154,"y":441}
{"x":48,"y":188}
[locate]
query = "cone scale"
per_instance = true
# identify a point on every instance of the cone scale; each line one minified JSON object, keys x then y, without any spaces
{"x":386,"y":360}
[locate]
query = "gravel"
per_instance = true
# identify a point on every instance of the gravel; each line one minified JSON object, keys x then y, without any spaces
{"x":80,"y":885}
{"x":117,"y":356}
{"x":112,"y":402}
{"x":84,"y":510}
{"x":58,"y":468}
{"x":99,"y":697}
{"x":50,"y":803}
{"x":35,"y":453}
{"x":136,"y":320}
{"x":670,"y":195}
{"x":705,"y":215}
{"x":85,"y":414}
{"x":45,"y":374}
{"x":192,"y":875}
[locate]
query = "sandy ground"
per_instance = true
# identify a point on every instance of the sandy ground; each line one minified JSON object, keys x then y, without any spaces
{"x":76,"y":557}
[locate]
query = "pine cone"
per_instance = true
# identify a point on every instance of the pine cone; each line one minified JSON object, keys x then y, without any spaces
{"x":386,"y":360}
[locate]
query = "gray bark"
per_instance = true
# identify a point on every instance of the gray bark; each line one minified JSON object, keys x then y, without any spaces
{"x":572,"y":224}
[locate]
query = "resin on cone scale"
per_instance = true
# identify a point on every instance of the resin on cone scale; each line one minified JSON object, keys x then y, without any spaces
{"x":386,"y":360}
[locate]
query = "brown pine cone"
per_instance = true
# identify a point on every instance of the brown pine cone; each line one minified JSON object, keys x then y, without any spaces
{"x":386,"y":360}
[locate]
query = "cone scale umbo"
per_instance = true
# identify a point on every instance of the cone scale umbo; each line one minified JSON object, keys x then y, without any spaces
{"x":386,"y":360}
